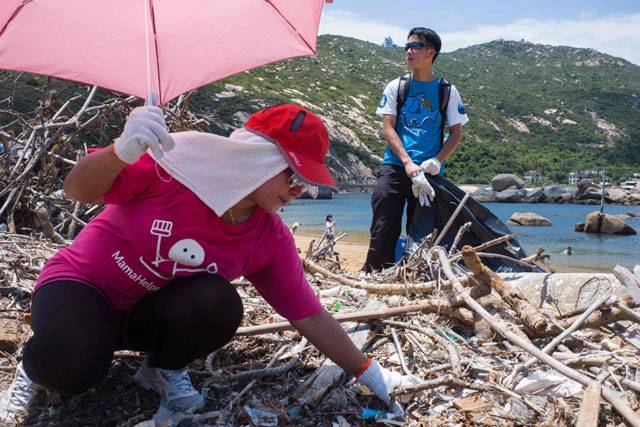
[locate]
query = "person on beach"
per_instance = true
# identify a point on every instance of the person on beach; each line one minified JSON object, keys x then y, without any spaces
{"x":413,"y":127}
{"x":329,"y":234}
{"x":295,"y":226}
{"x":186,"y":213}
{"x":329,"y":227}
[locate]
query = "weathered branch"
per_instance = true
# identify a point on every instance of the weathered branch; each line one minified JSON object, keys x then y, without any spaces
{"x":440,"y":306}
{"x":376,"y":288}
{"x":452,"y":218}
{"x":486,"y":245}
{"x":629,"y":281}
{"x":590,"y":406}
{"x":613,"y":398}
{"x":530,"y":315}
{"x":446,"y":345}
{"x":575,"y":325}
{"x":43,"y":216}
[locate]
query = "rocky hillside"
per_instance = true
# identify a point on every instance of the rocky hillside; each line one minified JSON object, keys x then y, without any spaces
{"x":554,"y":109}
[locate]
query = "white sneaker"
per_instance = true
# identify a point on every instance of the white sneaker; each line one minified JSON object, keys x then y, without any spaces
{"x":174,"y":387}
{"x":15,"y":401}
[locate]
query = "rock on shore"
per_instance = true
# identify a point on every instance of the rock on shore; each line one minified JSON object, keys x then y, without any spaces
{"x":509,"y":188}
{"x":601,"y":223}
{"x":528,"y":219}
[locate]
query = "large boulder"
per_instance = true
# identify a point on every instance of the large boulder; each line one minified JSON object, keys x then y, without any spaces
{"x":484,"y":195}
{"x":567,"y":197}
{"x":584,"y":184}
{"x":616,"y":195}
{"x":528,"y":219}
{"x":597,"y":222}
{"x":587,"y":202}
{"x":535,"y":195}
{"x":511,"y":195}
{"x":590,"y":193}
{"x":552,"y":192}
{"x":632,"y":199}
{"x":505,"y":180}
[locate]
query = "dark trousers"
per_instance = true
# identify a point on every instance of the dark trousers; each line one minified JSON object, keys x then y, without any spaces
{"x":391,"y":193}
{"x":76,"y":331}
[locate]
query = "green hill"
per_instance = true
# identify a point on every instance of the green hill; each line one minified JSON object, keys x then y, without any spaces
{"x":554,"y":109}
{"x":550,"y":108}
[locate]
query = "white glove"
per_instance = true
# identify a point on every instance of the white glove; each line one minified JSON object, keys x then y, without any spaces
{"x":422,"y":190}
{"x":382,"y":381}
{"x":431,"y":166}
{"x":144,"y":129}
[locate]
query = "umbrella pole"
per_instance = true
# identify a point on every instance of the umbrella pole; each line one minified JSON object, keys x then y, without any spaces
{"x":147,"y":17}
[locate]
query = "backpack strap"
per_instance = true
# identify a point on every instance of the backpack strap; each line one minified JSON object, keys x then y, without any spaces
{"x":444,"y":92}
{"x":403,"y":92}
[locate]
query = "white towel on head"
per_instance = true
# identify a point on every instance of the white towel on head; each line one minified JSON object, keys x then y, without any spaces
{"x":220,"y":170}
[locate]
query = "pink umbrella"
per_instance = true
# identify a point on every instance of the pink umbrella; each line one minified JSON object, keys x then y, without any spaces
{"x":165,"y":47}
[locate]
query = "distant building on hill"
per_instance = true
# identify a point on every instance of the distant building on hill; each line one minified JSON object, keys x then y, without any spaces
{"x":577,"y":176}
{"x":388,"y":42}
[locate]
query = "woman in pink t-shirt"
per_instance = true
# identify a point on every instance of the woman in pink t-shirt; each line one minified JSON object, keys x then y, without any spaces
{"x":152,"y":272}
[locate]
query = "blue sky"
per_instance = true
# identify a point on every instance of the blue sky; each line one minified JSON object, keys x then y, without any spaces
{"x":611,"y":27}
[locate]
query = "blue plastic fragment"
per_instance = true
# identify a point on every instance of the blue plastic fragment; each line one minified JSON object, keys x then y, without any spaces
{"x":294,"y":412}
{"x":373,"y":414}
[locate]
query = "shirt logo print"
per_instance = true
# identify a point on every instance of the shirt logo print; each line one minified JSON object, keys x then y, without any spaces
{"x":185,"y":252}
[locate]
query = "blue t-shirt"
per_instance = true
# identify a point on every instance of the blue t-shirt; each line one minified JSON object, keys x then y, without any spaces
{"x":418,"y":124}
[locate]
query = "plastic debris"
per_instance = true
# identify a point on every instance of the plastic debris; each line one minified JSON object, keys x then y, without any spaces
{"x":548,"y":381}
{"x":262,"y":418}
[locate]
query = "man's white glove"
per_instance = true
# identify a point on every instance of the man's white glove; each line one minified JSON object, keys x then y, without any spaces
{"x":431,"y":166}
{"x":382,"y":382}
{"x":422,"y":190}
{"x":145,"y":129}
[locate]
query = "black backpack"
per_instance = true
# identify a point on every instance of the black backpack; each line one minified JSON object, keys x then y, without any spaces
{"x":444,"y":92}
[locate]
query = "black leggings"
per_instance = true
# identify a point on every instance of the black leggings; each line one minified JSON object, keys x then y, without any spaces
{"x":76,"y":331}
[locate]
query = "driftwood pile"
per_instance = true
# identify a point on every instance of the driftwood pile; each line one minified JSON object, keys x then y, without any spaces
{"x":486,"y":354}
{"x":39,"y":147}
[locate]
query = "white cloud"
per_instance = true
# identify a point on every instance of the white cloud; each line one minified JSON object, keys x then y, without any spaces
{"x":614,"y":35}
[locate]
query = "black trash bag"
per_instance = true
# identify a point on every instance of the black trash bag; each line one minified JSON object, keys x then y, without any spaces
{"x":485,"y":226}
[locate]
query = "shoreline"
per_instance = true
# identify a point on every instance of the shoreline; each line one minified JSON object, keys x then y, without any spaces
{"x":353,"y":251}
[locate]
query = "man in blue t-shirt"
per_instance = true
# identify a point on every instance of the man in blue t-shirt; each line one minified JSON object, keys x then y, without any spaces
{"x":414,"y":146}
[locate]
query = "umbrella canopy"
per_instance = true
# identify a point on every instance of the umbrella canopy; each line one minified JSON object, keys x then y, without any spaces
{"x":166,"y":46}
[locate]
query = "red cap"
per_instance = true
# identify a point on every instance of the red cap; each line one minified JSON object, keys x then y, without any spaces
{"x":301,"y":137}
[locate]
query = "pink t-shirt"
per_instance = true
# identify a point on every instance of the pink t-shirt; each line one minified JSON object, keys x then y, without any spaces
{"x":154,"y":230}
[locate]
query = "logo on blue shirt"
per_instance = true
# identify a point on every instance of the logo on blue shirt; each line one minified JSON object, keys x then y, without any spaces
{"x":417,"y":111}
{"x":461,"y":108}
{"x":383,"y":101}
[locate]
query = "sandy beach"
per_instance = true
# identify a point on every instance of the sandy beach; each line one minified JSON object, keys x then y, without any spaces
{"x":352,"y":248}
{"x":353,"y":252}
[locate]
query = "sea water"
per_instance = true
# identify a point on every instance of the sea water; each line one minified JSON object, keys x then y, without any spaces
{"x":352,"y":213}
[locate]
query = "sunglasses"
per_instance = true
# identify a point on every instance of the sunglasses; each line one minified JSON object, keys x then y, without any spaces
{"x":415,"y":45}
{"x":296,"y":183}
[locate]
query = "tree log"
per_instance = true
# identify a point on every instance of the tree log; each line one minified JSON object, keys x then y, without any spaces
{"x":530,"y":315}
